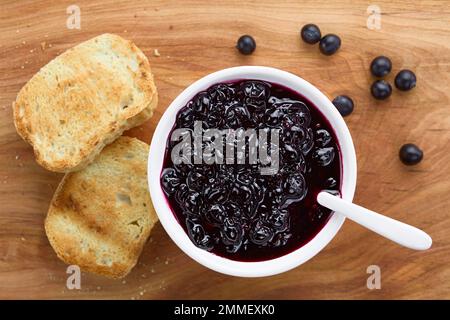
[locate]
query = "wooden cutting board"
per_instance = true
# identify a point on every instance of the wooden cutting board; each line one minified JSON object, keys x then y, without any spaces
{"x":195,"y":38}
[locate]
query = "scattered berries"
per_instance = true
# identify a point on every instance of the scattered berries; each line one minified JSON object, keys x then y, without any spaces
{"x":344,"y":104}
{"x":246,"y":44}
{"x":405,"y":80}
{"x":381,"y":89}
{"x":329,"y":44}
{"x":381,"y":66}
{"x":310,"y":33}
{"x":410,"y":154}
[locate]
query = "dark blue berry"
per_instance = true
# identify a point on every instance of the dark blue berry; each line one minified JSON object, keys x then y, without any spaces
{"x":381,"y":90}
{"x":344,"y":104}
{"x":410,"y":154}
{"x":405,"y":80}
{"x":323,"y":156}
{"x":255,"y":93}
{"x":330,"y":183}
{"x":246,"y":44}
{"x":294,"y":188}
{"x":323,"y":137}
{"x":169,"y":180}
{"x":232,"y":234}
{"x":198,"y":235}
{"x":381,"y":66}
{"x":310,"y":33}
{"x":329,"y":44}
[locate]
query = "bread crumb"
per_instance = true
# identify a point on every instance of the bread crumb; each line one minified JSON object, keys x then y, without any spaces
{"x":17,"y":157}
{"x":143,"y":275}
{"x":46,"y":36}
{"x":152,"y":270}
{"x":99,"y":288}
{"x":22,"y":67}
{"x":23,"y":238}
{"x":124,"y":282}
{"x":32,"y":50}
{"x":125,"y":31}
{"x":156,"y":53}
{"x":133,"y":298}
{"x":50,"y":45}
{"x":43,"y":45}
{"x":166,"y":262}
{"x":141,"y":293}
{"x":17,"y":31}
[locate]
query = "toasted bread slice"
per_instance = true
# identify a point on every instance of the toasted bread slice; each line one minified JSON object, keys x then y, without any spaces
{"x":100,"y":217}
{"x":84,"y":99}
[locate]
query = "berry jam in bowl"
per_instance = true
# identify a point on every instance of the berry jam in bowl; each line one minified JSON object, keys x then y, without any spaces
{"x":236,"y":163}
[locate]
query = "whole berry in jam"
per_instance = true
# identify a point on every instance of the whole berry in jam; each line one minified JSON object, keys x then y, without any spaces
{"x":330,"y":183}
{"x":322,"y":137}
{"x":380,"y":66}
{"x":410,"y":154}
{"x":344,"y":104}
{"x":405,"y":80}
{"x":381,"y":90}
{"x":246,"y":44}
{"x":310,"y":33}
{"x":329,"y":44}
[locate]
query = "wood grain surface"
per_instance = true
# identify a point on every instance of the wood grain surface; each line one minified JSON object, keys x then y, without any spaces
{"x":195,"y":38}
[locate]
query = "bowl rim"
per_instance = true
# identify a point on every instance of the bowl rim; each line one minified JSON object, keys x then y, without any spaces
{"x":167,"y":217}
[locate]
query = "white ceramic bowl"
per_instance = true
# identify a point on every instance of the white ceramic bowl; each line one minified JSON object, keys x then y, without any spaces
{"x":167,"y":217}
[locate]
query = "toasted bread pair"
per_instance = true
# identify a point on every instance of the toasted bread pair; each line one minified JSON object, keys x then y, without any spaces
{"x":101,"y":217}
{"x":83,"y":100}
{"x":101,"y":214}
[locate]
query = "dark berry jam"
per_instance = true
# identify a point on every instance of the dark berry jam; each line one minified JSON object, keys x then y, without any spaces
{"x":231,"y":208}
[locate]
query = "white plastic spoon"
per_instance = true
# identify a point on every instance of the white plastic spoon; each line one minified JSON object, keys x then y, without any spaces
{"x":394,"y":230}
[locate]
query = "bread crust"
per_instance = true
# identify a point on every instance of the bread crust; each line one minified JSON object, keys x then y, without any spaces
{"x":101,"y":217}
{"x":83,"y":100}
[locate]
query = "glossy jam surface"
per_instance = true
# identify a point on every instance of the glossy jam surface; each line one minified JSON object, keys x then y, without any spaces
{"x":235,"y":211}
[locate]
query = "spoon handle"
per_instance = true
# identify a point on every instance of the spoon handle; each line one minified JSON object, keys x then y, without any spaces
{"x":394,"y":230}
